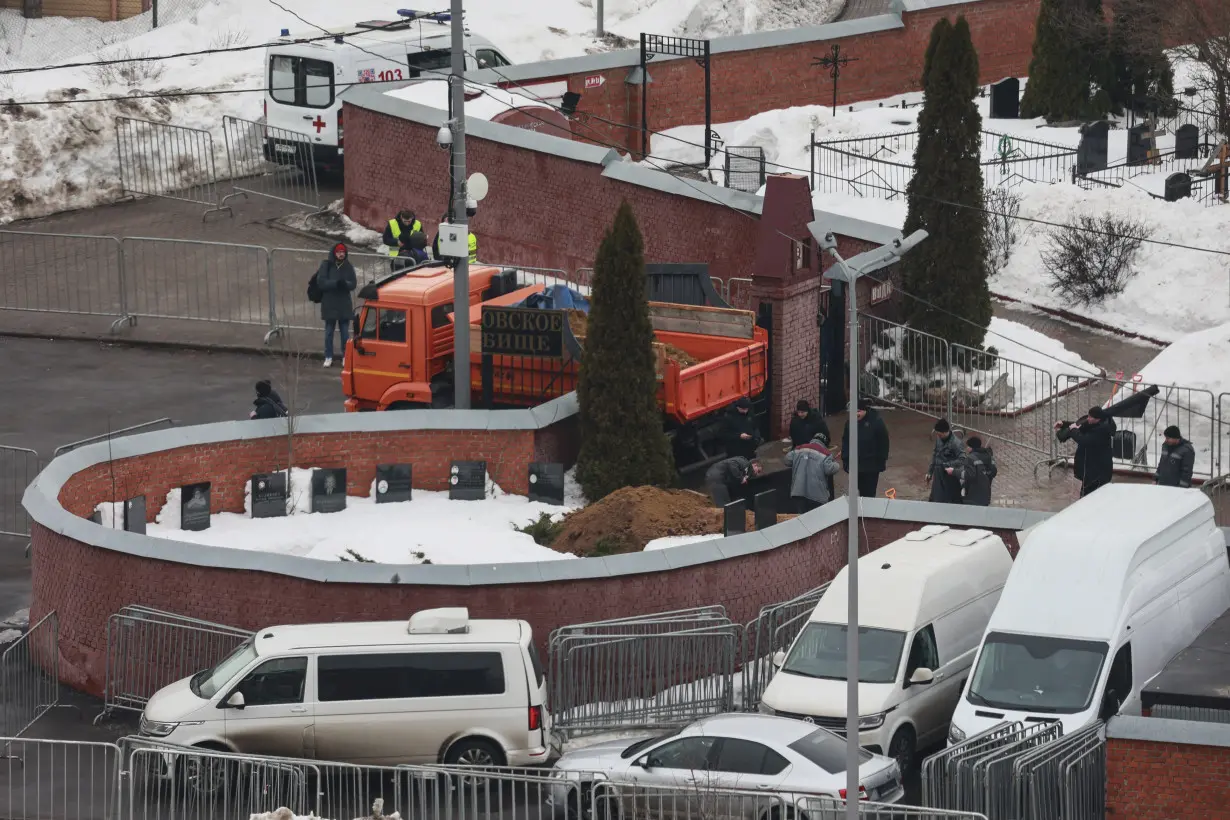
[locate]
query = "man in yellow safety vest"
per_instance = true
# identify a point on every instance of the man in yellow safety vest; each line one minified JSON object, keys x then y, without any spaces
{"x":397,"y":235}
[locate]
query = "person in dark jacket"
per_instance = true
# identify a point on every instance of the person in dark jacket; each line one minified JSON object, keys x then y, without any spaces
{"x":397,"y":234}
{"x":725,"y":479}
{"x":739,"y":431}
{"x":974,"y":473}
{"x":1093,"y":465}
{"x":268,"y":404}
{"x":812,"y":468}
{"x":806,"y":425}
{"x":336,"y":279}
{"x":1174,"y":467}
{"x":945,"y":489}
{"x":872,"y":449}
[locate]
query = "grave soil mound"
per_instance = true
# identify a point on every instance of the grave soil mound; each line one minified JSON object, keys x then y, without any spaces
{"x":628,"y":519}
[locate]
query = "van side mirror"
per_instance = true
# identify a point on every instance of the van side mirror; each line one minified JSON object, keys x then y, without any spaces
{"x":779,"y":658}
{"x":354,"y":324}
{"x":641,"y":762}
{"x":235,"y":701}
{"x":921,"y":677}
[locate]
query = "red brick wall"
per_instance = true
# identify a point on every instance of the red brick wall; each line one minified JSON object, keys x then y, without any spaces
{"x":1146,"y":780}
{"x":749,"y":82}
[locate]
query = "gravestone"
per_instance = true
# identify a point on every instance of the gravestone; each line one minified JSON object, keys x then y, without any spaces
{"x":1187,"y":142}
{"x":194,"y":506}
{"x":1092,"y":151}
{"x":467,"y":481}
{"x":269,"y":495}
{"x":1178,"y":186}
{"x":1140,"y":143}
{"x":734,"y":518}
{"x":134,"y":515}
{"x":1006,"y":99}
{"x":329,"y":490}
{"x":547,"y":483}
{"x":393,"y":483}
{"x":766,"y":509}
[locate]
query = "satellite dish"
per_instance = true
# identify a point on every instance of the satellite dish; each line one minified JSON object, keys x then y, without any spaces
{"x":476,"y":187}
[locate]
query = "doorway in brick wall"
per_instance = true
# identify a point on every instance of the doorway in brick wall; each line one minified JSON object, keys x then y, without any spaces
{"x":833,"y":350}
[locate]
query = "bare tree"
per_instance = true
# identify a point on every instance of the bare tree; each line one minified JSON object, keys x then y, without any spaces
{"x":287,"y":365}
{"x":1201,"y":31}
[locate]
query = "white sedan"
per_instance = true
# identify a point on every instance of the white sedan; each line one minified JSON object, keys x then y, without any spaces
{"x":744,"y":766}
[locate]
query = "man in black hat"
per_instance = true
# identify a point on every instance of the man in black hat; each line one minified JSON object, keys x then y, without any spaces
{"x":948,"y":451}
{"x":1174,"y":467}
{"x":740,"y":434}
{"x":725,"y":480}
{"x":975,"y":472}
{"x":1094,"y":464}
{"x":806,"y":424}
{"x":872,"y":449}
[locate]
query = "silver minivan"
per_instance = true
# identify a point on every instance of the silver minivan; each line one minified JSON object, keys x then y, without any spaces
{"x":441,"y":688}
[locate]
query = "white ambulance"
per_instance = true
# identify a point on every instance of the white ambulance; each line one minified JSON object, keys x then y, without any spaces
{"x":309,"y":75}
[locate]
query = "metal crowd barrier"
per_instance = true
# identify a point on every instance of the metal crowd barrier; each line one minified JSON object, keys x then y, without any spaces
{"x":144,"y":426}
{"x":288,"y":271}
{"x":826,"y":808}
{"x":59,"y":780}
{"x":270,"y":162}
{"x":30,"y":676}
{"x":62,"y":273}
{"x":18,"y":467}
{"x":148,"y":649}
{"x":169,"y":161}
{"x":774,"y":629}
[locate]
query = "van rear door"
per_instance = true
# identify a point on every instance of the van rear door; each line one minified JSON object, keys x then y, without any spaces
{"x":302,"y":96}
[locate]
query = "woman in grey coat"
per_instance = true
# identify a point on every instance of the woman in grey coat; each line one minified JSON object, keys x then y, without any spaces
{"x":336,"y":279}
{"x":811,"y":466}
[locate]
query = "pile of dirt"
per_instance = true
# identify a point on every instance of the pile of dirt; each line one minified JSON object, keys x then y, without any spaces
{"x":628,"y":519}
{"x":578,"y":320}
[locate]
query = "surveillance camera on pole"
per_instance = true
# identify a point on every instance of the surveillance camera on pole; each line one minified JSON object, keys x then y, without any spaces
{"x":444,"y":137}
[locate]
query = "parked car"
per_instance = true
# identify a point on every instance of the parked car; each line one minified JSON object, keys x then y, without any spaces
{"x":780,"y":766}
{"x":924,"y":602}
{"x":1102,"y":595}
{"x":441,"y":688}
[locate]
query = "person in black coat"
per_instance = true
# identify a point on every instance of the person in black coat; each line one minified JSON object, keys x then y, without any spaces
{"x":872,"y":449}
{"x":336,"y":279}
{"x":268,"y":404}
{"x":740,"y":434}
{"x":725,"y":480}
{"x":1178,"y":459}
{"x":806,"y":425}
{"x":974,"y":472}
{"x":1094,"y":464}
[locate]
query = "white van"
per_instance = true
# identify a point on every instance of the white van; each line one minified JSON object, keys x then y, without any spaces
{"x":931,"y":592}
{"x":308,"y":77}
{"x":440,"y":688}
{"x":1101,"y":597}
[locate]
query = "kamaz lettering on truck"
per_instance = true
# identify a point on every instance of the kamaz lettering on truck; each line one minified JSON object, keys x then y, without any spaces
{"x":308,"y":77}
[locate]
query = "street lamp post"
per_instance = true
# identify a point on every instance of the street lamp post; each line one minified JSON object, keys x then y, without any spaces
{"x":849,"y":272}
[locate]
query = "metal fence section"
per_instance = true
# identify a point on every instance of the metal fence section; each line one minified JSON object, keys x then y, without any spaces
{"x":170,"y":161}
{"x":827,"y":808}
{"x":288,"y":271}
{"x":59,"y":780}
{"x":774,"y":630}
{"x":648,"y":671}
{"x":123,"y":431}
{"x":30,"y":676}
{"x":195,"y":280}
{"x":18,"y":467}
{"x":739,"y":293}
{"x":745,"y":168}
{"x":61,"y":273}
{"x":1204,"y":714}
{"x":148,"y":649}
{"x":270,"y":162}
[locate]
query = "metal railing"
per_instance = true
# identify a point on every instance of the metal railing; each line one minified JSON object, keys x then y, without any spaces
{"x":59,"y":780}
{"x":744,"y":168}
{"x":123,"y":431}
{"x":739,"y":293}
{"x":169,"y":161}
{"x":148,"y":649}
{"x":1204,"y":714}
{"x":18,"y":467}
{"x":270,"y":162}
{"x":827,"y":808}
{"x":646,"y":671}
{"x":30,"y":676}
{"x":61,"y":273}
{"x":774,"y":630}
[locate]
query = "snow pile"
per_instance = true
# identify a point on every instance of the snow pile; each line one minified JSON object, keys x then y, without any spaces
{"x":677,"y":541}
{"x":1017,"y":377}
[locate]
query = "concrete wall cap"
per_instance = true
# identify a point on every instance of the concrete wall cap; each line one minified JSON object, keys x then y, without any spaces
{"x":1163,"y":730}
{"x":661,"y":181}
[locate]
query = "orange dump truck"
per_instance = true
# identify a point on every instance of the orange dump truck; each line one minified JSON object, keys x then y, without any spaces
{"x":400,"y":355}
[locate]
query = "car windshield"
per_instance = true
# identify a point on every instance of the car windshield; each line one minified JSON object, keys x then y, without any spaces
{"x":827,"y":750}
{"x":206,"y":683}
{"x":641,"y":745}
{"x":820,"y":652}
{"x":1037,"y":673}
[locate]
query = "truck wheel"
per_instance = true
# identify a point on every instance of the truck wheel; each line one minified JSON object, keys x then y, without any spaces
{"x":406,"y":405}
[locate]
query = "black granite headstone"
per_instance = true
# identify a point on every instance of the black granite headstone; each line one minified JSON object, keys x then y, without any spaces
{"x":1187,"y":142}
{"x":269,"y":495}
{"x":1140,"y":143}
{"x":134,"y":515}
{"x":393,"y":483}
{"x":547,"y":483}
{"x":194,"y":506}
{"x":1091,"y":153}
{"x":1006,"y":99}
{"x":467,"y":481}
{"x":1178,"y":186}
{"x":765,"y":509}
{"x":329,"y":490}
{"x":734,"y":518}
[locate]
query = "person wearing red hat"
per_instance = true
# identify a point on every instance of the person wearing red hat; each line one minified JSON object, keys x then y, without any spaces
{"x":336,"y":279}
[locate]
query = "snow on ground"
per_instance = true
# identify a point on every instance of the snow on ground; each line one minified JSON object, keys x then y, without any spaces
{"x":677,"y":541}
{"x":428,"y":529}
